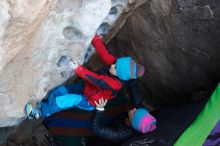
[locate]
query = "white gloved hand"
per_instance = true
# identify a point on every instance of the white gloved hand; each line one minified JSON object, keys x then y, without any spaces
{"x":101,"y":104}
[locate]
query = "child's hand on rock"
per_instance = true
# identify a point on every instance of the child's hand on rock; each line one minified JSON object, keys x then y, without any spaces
{"x":73,"y":65}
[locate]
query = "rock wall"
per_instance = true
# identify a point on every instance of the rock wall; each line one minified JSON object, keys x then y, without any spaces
{"x":178,"y":42}
{"x":34,"y":35}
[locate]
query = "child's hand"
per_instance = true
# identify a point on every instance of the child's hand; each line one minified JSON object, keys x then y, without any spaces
{"x":101,"y":104}
{"x":73,"y":65}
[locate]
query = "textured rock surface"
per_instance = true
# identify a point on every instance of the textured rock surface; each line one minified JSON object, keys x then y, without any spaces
{"x":178,"y":42}
{"x":27,"y":133}
{"x":34,"y":35}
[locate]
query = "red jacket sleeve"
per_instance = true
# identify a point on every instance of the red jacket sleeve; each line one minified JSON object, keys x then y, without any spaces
{"x":103,"y":81}
{"x":102,"y":51}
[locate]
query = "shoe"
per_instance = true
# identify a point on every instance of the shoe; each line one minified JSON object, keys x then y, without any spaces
{"x":32,"y":112}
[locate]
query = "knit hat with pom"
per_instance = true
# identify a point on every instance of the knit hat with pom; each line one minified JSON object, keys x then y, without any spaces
{"x":127,"y":68}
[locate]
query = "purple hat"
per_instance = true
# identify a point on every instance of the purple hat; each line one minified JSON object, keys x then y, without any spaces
{"x":143,"y":121}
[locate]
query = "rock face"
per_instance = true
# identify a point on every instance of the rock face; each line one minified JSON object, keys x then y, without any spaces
{"x":28,"y":133}
{"x":34,"y":35}
{"x":178,"y":42}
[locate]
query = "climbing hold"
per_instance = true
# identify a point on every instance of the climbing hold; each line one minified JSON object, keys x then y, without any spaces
{"x":103,"y":29}
{"x":64,"y":74}
{"x":71,"y":33}
{"x":63,"y":61}
{"x":113,"y":11}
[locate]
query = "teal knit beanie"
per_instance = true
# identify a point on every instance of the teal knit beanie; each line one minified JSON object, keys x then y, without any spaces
{"x":127,"y":68}
{"x":143,"y":121}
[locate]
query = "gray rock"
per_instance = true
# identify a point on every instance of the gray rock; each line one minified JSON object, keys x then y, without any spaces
{"x":178,"y":44}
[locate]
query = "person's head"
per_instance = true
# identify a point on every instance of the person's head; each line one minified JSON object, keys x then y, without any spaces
{"x":126,"y":68}
{"x":141,"y":120}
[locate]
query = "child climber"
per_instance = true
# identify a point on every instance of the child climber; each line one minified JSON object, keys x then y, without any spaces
{"x":124,"y":126}
{"x":107,"y":83}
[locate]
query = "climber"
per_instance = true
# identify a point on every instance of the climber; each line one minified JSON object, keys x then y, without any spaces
{"x":107,"y":83}
{"x":120,"y":129}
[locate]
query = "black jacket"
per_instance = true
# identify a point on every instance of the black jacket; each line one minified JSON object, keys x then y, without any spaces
{"x":131,"y":85}
{"x":118,"y":132}
{"x":135,"y":95}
